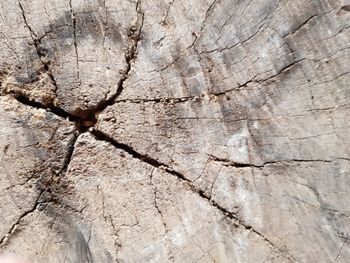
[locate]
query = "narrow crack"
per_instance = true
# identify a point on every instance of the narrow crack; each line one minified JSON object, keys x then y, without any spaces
{"x":155,"y":191}
{"x":39,"y":50}
{"x":74,"y":21}
{"x":237,"y":221}
{"x":207,"y":13}
{"x":32,"y":33}
{"x":109,"y":220}
{"x":253,"y":80}
{"x":231,"y":163}
{"x":307,"y":21}
{"x":340,"y":250}
{"x":13,"y":228}
{"x":164,"y":100}
{"x":234,"y":217}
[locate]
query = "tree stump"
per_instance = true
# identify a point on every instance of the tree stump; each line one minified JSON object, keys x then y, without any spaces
{"x":175,"y":130}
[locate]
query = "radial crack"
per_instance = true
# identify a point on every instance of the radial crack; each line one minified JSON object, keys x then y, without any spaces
{"x":89,"y":116}
{"x":101,"y":136}
{"x":130,"y":56}
{"x":56,"y":185}
{"x":82,"y":123}
{"x":69,"y":154}
{"x":37,"y":105}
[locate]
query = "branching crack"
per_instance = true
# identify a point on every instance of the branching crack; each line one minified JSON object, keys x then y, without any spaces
{"x":101,"y":136}
{"x":87,"y":118}
{"x":253,"y":80}
{"x":82,"y":123}
{"x":130,"y":56}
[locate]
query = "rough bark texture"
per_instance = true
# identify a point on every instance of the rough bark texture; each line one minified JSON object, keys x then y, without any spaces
{"x":175,"y":130}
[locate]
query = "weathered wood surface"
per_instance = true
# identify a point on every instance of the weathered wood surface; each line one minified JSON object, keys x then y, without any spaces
{"x":175,"y":131}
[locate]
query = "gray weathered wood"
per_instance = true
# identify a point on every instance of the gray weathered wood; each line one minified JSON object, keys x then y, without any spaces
{"x":175,"y":131}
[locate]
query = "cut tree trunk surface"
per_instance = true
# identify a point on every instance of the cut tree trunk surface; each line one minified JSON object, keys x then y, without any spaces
{"x":175,"y":130}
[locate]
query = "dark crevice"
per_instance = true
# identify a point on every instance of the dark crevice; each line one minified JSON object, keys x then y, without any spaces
{"x":101,"y":136}
{"x":69,"y":154}
{"x":228,"y":162}
{"x":82,"y":124}
{"x":55,"y":110}
{"x":346,"y":7}
{"x":55,"y":186}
